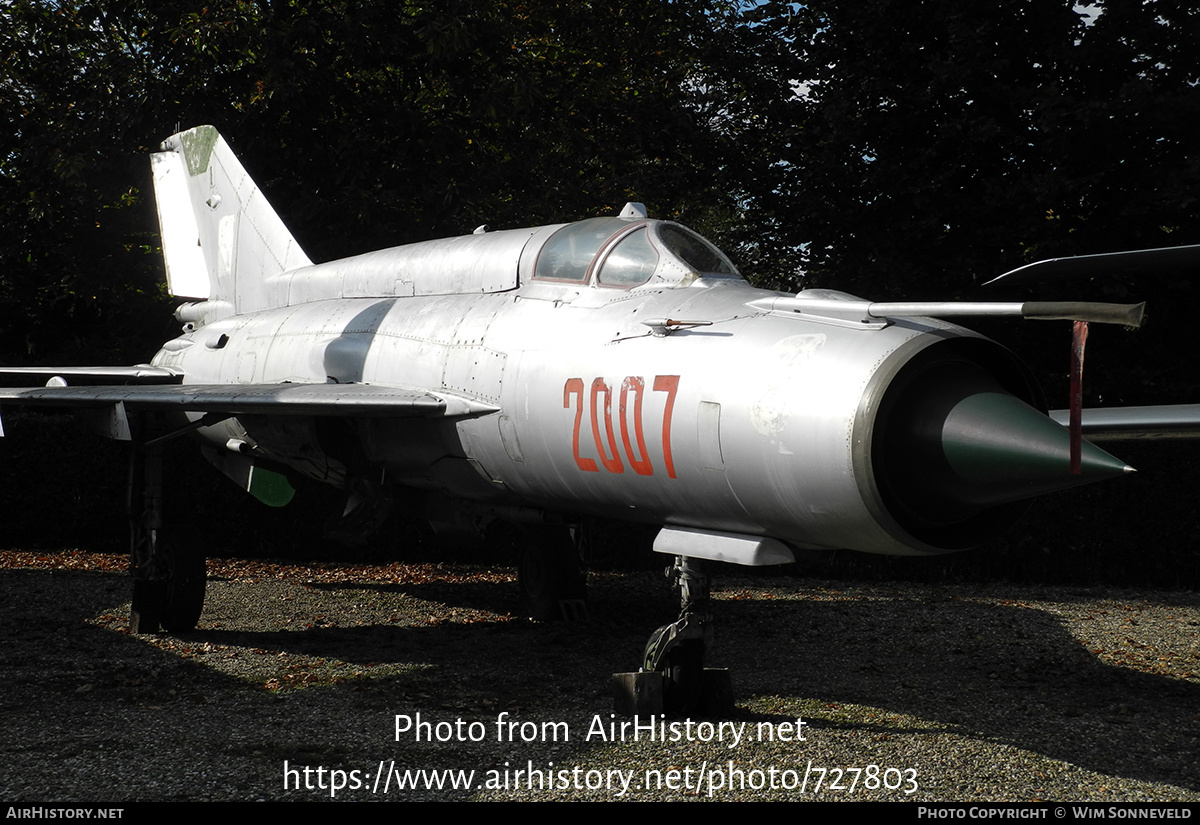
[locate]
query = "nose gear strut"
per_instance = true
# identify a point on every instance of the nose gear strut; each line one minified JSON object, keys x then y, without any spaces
{"x":673,"y":678}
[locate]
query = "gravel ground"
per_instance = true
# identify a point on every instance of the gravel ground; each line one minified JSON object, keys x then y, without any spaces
{"x":951,"y":693}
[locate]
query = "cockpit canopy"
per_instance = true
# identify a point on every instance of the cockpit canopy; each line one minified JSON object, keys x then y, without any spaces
{"x":624,"y":253}
{"x":615,"y":252}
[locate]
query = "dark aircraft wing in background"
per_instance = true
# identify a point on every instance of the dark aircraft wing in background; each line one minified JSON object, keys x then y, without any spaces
{"x":1120,"y":423}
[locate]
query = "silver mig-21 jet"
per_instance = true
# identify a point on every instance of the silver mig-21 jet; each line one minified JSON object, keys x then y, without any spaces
{"x":618,"y":366}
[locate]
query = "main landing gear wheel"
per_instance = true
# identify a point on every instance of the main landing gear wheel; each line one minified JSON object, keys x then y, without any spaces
{"x":171,"y":595}
{"x":168,"y":563}
{"x":552,"y":581}
{"x":186,"y":587}
{"x":145,"y":614}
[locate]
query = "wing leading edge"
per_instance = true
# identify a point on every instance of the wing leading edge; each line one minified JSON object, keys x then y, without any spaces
{"x":254,"y":399}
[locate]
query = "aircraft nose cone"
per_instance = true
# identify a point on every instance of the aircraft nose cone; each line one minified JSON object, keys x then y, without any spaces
{"x":957,"y":449}
{"x":1000,"y":450}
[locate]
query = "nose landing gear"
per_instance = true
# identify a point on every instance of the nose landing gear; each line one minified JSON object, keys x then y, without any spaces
{"x":673,"y":678}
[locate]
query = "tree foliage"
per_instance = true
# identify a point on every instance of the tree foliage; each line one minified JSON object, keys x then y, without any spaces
{"x":368,"y":123}
{"x":893,"y":149}
{"x":923,"y":147}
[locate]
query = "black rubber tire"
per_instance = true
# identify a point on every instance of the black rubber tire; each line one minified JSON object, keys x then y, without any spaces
{"x":683,"y":688}
{"x":184,"y":597}
{"x":145,"y":614}
{"x":173,"y":604}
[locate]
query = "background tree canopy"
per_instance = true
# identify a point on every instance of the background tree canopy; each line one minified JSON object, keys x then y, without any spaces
{"x":930,"y":145}
{"x":891,"y":149}
{"x":886,"y":148}
{"x":369,"y":124}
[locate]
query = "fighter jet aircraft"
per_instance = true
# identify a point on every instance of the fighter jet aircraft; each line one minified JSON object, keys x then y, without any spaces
{"x":618,"y":366}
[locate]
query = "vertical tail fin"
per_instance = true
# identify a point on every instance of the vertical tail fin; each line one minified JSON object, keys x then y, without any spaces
{"x":221,"y":239}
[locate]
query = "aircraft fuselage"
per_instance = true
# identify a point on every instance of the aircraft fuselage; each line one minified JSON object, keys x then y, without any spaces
{"x":758,"y":423}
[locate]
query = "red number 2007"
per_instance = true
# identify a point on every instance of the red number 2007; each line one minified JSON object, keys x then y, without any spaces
{"x":600,"y":406}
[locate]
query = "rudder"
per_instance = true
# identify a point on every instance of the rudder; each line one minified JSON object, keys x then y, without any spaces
{"x":221,"y":238}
